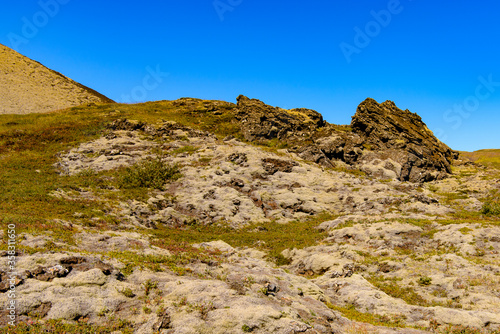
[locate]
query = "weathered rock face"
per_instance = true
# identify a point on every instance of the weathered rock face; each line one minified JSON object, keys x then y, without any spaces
{"x":260,"y":121}
{"x":402,"y":136}
{"x":383,"y":140}
{"x":27,"y":86}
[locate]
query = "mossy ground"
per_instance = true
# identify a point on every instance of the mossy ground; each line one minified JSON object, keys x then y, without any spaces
{"x":79,"y":327}
{"x":29,"y":147}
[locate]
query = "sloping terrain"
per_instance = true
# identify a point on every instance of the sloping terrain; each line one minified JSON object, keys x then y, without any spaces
{"x":27,"y":86}
{"x":187,"y":217}
{"x":489,"y":158}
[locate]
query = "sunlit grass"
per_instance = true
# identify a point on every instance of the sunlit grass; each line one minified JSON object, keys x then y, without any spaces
{"x":490,"y":157}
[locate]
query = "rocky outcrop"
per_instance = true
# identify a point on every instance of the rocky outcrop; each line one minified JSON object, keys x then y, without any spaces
{"x":382,"y":140}
{"x":27,"y":86}
{"x":260,"y":121}
{"x":402,"y":136}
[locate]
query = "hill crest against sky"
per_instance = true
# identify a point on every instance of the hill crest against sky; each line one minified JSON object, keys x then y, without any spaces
{"x":286,"y":55}
{"x":27,"y":86}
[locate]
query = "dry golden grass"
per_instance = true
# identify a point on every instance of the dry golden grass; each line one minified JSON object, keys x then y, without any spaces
{"x":29,"y":87}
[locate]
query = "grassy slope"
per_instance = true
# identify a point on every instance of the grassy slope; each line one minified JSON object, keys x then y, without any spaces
{"x":490,"y":158}
{"x":29,"y":145}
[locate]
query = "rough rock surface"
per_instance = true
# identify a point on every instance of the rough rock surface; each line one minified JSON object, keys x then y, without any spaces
{"x":382,"y":140}
{"x":27,"y":86}
{"x":260,"y":121}
{"x":402,"y":136}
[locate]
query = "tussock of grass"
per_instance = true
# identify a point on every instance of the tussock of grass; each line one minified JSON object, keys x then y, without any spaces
{"x":491,"y":206}
{"x":149,"y":174}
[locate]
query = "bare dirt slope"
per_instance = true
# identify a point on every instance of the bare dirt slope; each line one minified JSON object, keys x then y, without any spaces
{"x":27,"y":86}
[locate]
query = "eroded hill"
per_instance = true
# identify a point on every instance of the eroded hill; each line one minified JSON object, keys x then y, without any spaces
{"x":27,"y":86}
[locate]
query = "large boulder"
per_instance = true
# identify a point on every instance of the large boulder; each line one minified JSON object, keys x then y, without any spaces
{"x":402,"y":136}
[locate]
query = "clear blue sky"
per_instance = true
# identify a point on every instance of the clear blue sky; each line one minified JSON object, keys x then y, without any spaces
{"x":427,"y":56}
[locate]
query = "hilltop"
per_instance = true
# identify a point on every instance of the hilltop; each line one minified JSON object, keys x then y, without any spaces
{"x":27,"y":86}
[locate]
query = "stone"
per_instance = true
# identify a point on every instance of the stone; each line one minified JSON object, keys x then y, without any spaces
{"x":402,"y":136}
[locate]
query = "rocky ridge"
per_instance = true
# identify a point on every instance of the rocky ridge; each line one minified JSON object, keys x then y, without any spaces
{"x":382,"y":139}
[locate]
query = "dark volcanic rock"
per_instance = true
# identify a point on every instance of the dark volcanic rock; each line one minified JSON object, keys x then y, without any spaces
{"x":260,"y":121}
{"x":378,"y":133}
{"x":276,"y":165}
{"x":402,"y":136}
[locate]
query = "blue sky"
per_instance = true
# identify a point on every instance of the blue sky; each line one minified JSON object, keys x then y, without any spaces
{"x":440,"y":60}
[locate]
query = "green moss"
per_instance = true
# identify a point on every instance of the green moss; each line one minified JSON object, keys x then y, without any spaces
{"x":393,"y":289}
{"x":424,"y":280}
{"x":273,"y":239}
{"x":188,"y":149}
{"x":246,"y":329}
{"x":465,"y":230}
{"x":449,"y":198}
{"x":127,"y":292}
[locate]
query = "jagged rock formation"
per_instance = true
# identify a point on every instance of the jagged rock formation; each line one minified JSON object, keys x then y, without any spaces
{"x":260,"y":121}
{"x":402,"y":136}
{"x":382,"y":140}
{"x":27,"y":86}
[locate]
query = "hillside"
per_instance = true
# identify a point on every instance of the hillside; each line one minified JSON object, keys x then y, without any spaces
{"x":490,"y":158}
{"x":196,"y":216}
{"x":27,"y":86}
